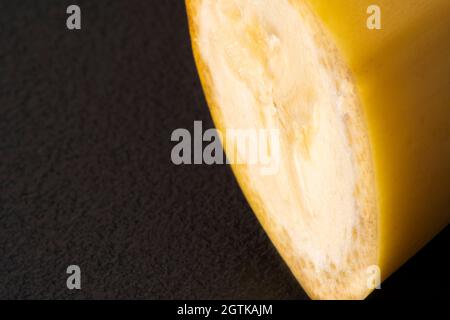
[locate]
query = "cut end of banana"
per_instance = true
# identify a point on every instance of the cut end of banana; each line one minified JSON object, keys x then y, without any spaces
{"x":271,"y":65}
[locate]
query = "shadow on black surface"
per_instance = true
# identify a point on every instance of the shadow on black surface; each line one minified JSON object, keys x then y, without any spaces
{"x":424,"y":276}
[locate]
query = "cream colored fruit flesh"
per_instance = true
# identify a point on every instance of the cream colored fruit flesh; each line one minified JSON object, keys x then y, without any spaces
{"x":273,"y":67}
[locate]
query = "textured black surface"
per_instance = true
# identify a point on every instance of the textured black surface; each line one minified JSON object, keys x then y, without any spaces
{"x":86,"y":177}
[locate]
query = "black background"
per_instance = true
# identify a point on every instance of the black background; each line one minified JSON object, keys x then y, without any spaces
{"x":86,"y":177}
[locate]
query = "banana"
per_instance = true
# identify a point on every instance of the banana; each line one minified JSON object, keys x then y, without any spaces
{"x":363,"y":117}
